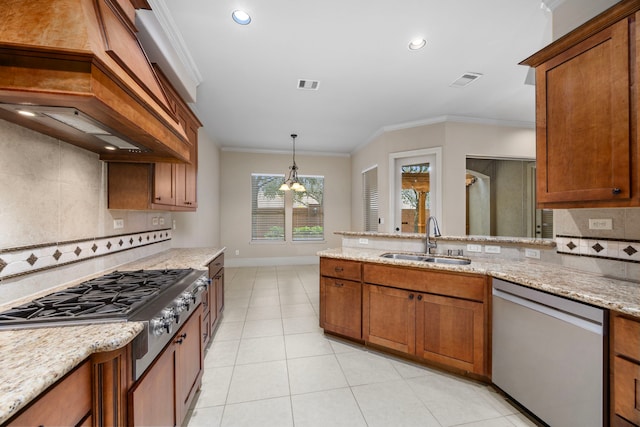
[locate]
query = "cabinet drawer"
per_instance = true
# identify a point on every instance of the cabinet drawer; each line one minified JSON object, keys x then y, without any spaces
{"x":627,"y":389}
{"x":442,"y":283}
{"x":216,"y":265}
{"x":340,"y":269}
{"x":627,"y":337}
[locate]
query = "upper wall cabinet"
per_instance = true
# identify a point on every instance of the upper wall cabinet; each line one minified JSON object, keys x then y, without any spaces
{"x":587,"y":113}
{"x":77,"y":66}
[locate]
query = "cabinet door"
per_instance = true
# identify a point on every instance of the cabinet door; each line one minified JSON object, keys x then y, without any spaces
{"x":67,"y":403}
{"x":341,"y":306}
{"x":627,"y":389}
{"x":389,"y":317}
{"x":164,"y":189}
{"x":152,"y":401}
{"x":450,"y":331}
{"x":583,"y":110}
{"x":220,"y":292}
{"x":189,"y":363}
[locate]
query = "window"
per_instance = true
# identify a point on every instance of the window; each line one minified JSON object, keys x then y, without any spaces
{"x":267,"y":207}
{"x":370,"y":198}
{"x":308,"y":210}
{"x":272,"y":209}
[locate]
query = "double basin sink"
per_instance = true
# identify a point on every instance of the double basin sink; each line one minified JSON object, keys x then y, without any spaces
{"x":426,"y":258}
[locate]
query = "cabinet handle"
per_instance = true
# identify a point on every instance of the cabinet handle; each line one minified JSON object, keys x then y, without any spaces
{"x":158,"y":198}
{"x":616,"y":191}
{"x":411,"y":296}
{"x":181,"y":338}
{"x":339,"y":285}
{"x":339,"y":269}
{"x":419,"y":297}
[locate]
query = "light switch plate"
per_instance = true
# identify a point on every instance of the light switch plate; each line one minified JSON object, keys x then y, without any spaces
{"x":363,"y":241}
{"x":118,"y":223}
{"x":532,"y":253}
{"x":474,"y":248}
{"x":492,"y":249}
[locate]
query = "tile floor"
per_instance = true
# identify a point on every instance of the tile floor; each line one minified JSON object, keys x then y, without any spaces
{"x":269,"y":364}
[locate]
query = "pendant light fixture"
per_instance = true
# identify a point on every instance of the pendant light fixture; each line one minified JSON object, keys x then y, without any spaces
{"x":292,"y":183}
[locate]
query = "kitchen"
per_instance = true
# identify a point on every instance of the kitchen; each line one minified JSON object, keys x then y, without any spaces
{"x":75,"y":199}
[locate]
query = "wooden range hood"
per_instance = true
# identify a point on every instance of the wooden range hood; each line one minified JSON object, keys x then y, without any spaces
{"x":80,"y":62}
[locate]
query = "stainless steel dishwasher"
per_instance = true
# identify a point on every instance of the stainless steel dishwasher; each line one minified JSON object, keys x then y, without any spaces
{"x":549,"y":355}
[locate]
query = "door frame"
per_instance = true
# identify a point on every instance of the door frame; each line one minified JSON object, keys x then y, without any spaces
{"x":436,"y":181}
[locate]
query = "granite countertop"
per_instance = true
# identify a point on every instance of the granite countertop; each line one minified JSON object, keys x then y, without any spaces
{"x":614,"y":294}
{"x":34,"y":359}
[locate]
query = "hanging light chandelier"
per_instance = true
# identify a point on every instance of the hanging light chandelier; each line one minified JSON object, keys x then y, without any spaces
{"x":292,"y":183}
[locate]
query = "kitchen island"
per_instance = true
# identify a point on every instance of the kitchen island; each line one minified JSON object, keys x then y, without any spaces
{"x":34,"y":359}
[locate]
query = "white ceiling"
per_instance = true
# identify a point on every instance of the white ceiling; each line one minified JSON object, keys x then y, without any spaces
{"x":357,"y":49}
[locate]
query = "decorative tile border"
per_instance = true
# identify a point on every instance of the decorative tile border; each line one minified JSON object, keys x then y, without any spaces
{"x":614,"y":249}
{"x":25,"y":260}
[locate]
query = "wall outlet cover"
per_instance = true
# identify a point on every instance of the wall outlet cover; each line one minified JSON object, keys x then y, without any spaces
{"x":474,"y":248}
{"x":154,"y":220}
{"x":601,"y":224}
{"x":161,"y":221}
{"x":492,"y":249}
{"x":363,"y":241}
{"x":532,"y":253}
{"x":118,"y":223}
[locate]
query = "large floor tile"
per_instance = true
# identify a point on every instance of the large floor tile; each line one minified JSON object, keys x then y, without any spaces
{"x":300,"y":325}
{"x":215,"y":387}
{"x":262,"y":328}
{"x":309,"y":374}
{"x":308,"y":344}
{"x":264,"y":313}
{"x":221,"y":353}
{"x":254,"y":350}
{"x":365,"y":368}
{"x":229,"y":331}
{"x":205,"y":417}
{"x":258,"y":381}
{"x":297,"y":310}
{"x":335,"y":408}
{"x":234,"y":314}
{"x":392,"y":404}
{"x":268,"y":301}
{"x":264,"y":413}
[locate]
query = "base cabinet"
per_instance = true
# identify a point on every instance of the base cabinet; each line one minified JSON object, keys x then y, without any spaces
{"x":216,"y":292}
{"x":341,"y":297}
{"x":67,"y":403}
{"x":165,"y":392}
{"x":625,"y":366}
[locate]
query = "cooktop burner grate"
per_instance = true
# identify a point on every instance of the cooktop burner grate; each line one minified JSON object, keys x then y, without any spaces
{"x":116,"y":295}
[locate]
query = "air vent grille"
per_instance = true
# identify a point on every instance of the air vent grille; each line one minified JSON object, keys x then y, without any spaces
{"x":465,"y":79}
{"x":306,"y":84}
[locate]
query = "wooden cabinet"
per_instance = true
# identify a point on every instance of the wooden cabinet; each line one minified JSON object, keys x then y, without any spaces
{"x":68,"y":402}
{"x":436,"y":316}
{"x":625,"y":371}
{"x":341,"y":297}
{"x":165,"y":392}
{"x":587,"y":114}
{"x":216,"y":291}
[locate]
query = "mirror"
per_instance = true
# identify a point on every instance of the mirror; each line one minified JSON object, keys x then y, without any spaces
{"x":501,"y":201}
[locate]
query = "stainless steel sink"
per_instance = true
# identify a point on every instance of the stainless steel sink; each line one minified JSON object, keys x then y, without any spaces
{"x":427,"y":258}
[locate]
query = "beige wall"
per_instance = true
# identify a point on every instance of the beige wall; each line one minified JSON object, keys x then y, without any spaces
{"x":458,"y":140}
{"x":235,"y":205}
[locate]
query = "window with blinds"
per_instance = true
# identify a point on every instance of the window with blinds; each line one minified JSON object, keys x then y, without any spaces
{"x":370,"y":199}
{"x":308,"y":210}
{"x":267,"y":207}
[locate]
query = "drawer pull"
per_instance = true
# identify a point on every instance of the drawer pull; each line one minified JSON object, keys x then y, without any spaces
{"x":339,"y":285}
{"x":339,"y":269}
{"x":411,"y":296}
{"x":419,"y":297}
{"x":616,"y":191}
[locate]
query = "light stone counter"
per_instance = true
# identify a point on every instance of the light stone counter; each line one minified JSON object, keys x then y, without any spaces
{"x":614,"y":294}
{"x":31,"y":360}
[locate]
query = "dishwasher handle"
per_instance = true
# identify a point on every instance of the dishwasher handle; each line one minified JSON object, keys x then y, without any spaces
{"x":581,"y":322}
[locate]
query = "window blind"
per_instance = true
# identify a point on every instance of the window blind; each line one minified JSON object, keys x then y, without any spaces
{"x":308,"y":210}
{"x":370,"y":199}
{"x":267,"y":207}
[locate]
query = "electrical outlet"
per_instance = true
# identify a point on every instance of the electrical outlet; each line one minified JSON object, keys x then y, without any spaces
{"x":492,"y":249}
{"x":154,"y":220}
{"x":161,"y":221}
{"x":237,"y":251}
{"x":118,"y":223}
{"x":532,"y":253}
{"x":601,"y":224}
{"x":474,"y":248}
{"x":363,"y":241}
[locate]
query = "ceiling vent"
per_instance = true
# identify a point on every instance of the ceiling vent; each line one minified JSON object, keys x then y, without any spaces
{"x":308,"y":84}
{"x":465,"y":79}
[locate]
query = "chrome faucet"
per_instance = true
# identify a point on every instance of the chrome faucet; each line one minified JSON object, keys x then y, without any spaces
{"x":436,"y":233}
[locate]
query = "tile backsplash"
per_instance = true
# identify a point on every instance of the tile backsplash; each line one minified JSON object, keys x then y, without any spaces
{"x":53,"y":197}
{"x":614,"y":252}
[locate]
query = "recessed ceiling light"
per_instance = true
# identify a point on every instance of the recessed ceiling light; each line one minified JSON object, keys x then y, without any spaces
{"x":241,"y":17}
{"x":417,"y":44}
